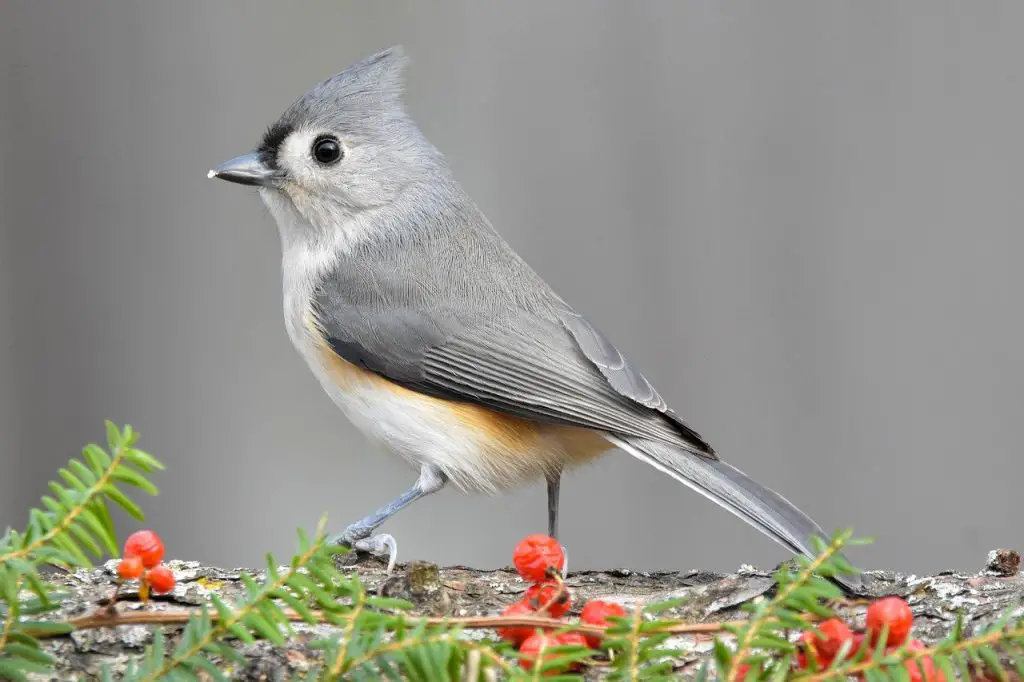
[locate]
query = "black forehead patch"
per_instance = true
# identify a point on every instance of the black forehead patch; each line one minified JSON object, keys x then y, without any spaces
{"x":272,"y":141}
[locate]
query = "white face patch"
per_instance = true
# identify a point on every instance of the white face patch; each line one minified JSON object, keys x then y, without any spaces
{"x":296,"y":156}
{"x":315,"y":211}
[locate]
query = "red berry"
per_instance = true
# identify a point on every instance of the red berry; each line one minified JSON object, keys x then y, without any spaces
{"x":160,"y":578}
{"x":571,"y":639}
{"x":836,"y":633}
{"x":809,"y":649}
{"x":551,"y":597}
{"x":895,"y":613}
{"x":146,"y":545}
{"x":931,"y":672}
{"x":517,"y":635}
{"x":535,"y":554}
{"x":531,"y":651}
{"x":858,"y":643}
{"x":130,"y":568}
{"x":741,"y":672}
{"x":597,"y":612}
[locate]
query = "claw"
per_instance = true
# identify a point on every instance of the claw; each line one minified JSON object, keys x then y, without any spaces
{"x":377,"y":545}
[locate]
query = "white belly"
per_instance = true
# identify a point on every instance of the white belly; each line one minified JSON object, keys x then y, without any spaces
{"x":477,"y":448}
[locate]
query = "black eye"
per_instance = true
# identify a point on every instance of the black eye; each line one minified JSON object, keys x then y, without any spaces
{"x":326,"y":150}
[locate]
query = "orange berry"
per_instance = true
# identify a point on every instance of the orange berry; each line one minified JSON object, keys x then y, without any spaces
{"x":895,"y":613}
{"x":160,"y":578}
{"x":130,"y":568}
{"x":597,"y":612}
{"x":550,"y":597}
{"x":535,"y":555}
{"x":516,"y":634}
{"x":146,"y":545}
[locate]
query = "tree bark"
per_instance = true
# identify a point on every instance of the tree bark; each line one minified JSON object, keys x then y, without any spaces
{"x":464,"y":592}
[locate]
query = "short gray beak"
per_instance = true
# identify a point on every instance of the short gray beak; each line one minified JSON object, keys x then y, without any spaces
{"x":246,"y":169}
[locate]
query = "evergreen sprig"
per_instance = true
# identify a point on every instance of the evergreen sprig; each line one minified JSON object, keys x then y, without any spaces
{"x":636,"y":644}
{"x":73,"y":524}
{"x":800,"y":596}
{"x":306,"y":580}
{"x":987,"y":655}
{"x":377,"y":638}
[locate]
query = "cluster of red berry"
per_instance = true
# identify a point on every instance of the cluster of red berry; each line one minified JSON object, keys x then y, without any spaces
{"x":143,"y":552}
{"x":539,"y":559}
{"x":890,"y":614}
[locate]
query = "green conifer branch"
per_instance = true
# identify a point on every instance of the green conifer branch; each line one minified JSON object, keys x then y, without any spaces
{"x":11,"y":619}
{"x":754,"y":631}
{"x":346,"y":635}
{"x":942,"y":653}
{"x":376,"y":635}
{"x":251,"y":605}
{"x":95,"y":492}
{"x":401,"y":645}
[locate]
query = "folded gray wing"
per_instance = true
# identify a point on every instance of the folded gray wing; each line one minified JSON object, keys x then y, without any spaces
{"x":611,"y":362}
{"x":527,"y":365}
{"x":616,"y":369}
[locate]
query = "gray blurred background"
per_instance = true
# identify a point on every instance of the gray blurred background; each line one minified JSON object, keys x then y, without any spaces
{"x":801,"y":219}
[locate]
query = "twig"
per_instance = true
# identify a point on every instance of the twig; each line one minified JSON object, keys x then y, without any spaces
{"x":104,"y":619}
{"x":472,"y":671}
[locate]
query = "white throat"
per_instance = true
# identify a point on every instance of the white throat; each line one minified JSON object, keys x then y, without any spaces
{"x":308,"y":253}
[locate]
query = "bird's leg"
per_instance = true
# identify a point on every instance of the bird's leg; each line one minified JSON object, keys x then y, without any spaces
{"x":359,"y":536}
{"x":554,"y":485}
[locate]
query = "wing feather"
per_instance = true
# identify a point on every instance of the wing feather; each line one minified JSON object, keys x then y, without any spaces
{"x":530,"y":356}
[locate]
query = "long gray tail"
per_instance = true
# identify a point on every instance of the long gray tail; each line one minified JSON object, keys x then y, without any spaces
{"x":762,"y":508}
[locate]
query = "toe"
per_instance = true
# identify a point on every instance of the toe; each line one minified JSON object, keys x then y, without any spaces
{"x":380,"y":545}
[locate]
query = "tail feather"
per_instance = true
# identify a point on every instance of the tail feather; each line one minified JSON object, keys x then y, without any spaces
{"x":727,"y":486}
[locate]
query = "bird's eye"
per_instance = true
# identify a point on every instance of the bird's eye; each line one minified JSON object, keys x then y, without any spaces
{"x":327,"y":150}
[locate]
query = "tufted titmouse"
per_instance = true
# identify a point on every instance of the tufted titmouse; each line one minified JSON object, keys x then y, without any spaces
{"x":434,"y":337}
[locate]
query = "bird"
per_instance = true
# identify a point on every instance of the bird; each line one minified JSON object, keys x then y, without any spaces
{"x":436,"y":339}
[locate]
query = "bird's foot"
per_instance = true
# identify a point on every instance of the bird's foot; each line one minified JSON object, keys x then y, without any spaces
{"x":360,"y":539}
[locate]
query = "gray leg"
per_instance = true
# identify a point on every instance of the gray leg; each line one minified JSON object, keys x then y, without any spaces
{"x":554,"y":485}
{"x":359,"y":535}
